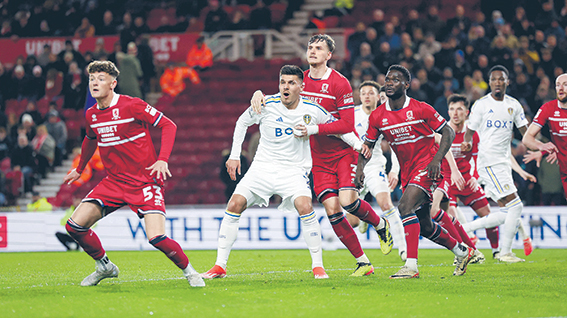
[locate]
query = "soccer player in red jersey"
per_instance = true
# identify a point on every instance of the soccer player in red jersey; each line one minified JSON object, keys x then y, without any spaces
{"x":334,"y":161}
{"x":554,"y":114}
{"x":118,"y":125}
{"x":409,"y":126}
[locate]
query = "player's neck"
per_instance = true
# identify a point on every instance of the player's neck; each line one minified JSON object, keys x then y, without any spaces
{"x":368,"y":109}
{"x":457,"y":127}
{"x":104,"y":102}
{"x":498,"y":98}
{"x":398,"y":103}
{"x":293,"y":105}
{"x":562,"y":104}
{"x":317,"y":70}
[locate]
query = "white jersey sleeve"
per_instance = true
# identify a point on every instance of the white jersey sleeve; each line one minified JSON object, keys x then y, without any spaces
{"x":247,"y":119}
{"x":395,"y":163}
{"x":475,"y":117}
{"x":519,"y":116}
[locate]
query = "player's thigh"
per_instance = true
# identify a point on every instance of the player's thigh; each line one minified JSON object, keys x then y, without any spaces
{"x":346,"y":171}
{"x":155,"y":225}
{"x":87,"y":214}
{"x":145,"y":199}
{"x":412,"y":199}
{"x":292,"y":183}
{"x":332,"y":205}
{"x":347,"y":196}
{"x":384,"y":200}
{"x":325,"y":180}
{"x":257,"y":186}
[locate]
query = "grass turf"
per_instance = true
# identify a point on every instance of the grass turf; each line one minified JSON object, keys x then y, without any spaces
{"x":278,"y":283}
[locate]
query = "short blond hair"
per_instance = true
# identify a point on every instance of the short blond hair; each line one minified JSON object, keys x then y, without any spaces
{"x":103,"y":66}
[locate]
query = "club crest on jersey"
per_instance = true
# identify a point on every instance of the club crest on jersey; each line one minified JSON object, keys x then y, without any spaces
{"x":506,"y":187}
{"x":556,"y":114}
{"x":94,"y":117}
{"x":307,"y":119}
{"x":115,"y":114}
{"x":510,"y":110}
{"x":409,"y":115}
{"x":325,"y":88}
{"x":384,"y":121}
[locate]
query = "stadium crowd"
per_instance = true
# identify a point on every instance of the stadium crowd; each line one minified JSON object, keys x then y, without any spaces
{"x":444,"y":56}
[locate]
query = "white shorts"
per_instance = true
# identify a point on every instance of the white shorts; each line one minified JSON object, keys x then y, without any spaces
{"x":264,"y":180}
{"x":497,"y":180}
{"x":375,"y":180}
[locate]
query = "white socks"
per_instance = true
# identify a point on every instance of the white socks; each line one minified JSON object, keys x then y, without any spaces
{"x":363,"y":259}
{"x":189,"y":270}
{"x":492,"y":220}
{"x":514,"y":208}
{"x":227,"y":236}
{"x":411,"y":263}
{"x":312,"y":237}
{"x":103,"y":264}
{"x":396,"y":228}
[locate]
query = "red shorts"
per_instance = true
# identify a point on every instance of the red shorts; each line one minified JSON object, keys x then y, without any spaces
{"x":112,"y":195}
{"x":422,"y":181}
{"x":330,"y":176}
{"x":476,"y":199}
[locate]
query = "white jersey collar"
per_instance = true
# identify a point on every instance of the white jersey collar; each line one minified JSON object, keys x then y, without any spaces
{"x":406,"y":104}
{"x":113,"y":102}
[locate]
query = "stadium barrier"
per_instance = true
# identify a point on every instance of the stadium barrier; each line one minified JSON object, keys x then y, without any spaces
{"x":268,"y":228}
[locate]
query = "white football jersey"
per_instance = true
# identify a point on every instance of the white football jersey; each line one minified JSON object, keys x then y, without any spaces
{"x":494,"y":120}
{"x":278,"y":144}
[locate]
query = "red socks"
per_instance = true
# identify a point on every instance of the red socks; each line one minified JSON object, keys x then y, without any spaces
{"x":411,"y":230}
{"x":363,"y":211}
{"x":346,"y":234}
{"x":492,"y":235}
{"x":86,"y":238}
{"x":171,"y":249}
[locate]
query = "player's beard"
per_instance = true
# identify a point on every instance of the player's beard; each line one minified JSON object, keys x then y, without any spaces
{"x":562,"y":100}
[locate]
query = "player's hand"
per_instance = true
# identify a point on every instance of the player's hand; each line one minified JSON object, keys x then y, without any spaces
{"x":392,"y":180}
{"x":359,"y":180}
{"x":232,"y":167}
{"x":472,"y":183}
{"x":551,"y":158}
{"x":533,"y":155}
{"x":71,"y":177}
{"x":160,"y":168}
{"x":300,"y":131}
{"x":549,"y":147}
{"x":365,"y":151}
{"x":257,"y":101}
{"x":466,"y":146}
{"x":433,"y":170}
{"x":528,"y":176}
{"x":458,"y":180}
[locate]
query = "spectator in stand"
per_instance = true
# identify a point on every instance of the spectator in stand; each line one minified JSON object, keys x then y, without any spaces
{"x":525,"y":28}
{"x":459,"y":20}
{"x":77,"y":56}
{"x":461,"y":66}
{"x":22,"y":159}
{"x":6,"y":144}
{"x":58,"y":130}
{"x":6,"y":85}
{"x":415,"y":90}
{"x":43,"y":146}
{"x":447,"y":82}
{"x":37,"y":83}
{"x":200,"y":56}
{"x":355,"y":39}
{"x":547,"y":63}
{"x":99,"y":52}
{"x":146,"y":58}
{"x":539,"y":41}
{"x":432,"y":22}
{"x":108,"y":27}
{"x":483,"y":66}
{"x":85,"y":30}
{"x":546,"y":16}
{"x":75,"y":87}
{"x":216,"y":19}
{"x":127,"y":32}
{"x":316,"y":21}
{"x":427,"y":86}
{"x":391,"y":37}
{"x":39,"y":203}
{"x":117,"y":48}
{"x":130,"y":72}
{"x":446,"y":57}
{"x":21,"y":83}
{"x":378,"y":22}
{"x":440,"y":104}
{"x":164,"y":25}
{"x":522,"y":89}
{"x":140,"y":26}
{"x":43,"y":57}
{"x":433,"y":72}
{"x":194,"y":25}
{"x":365,"y":53}
{"x":238,"y":21}
{"x":372,"y":39}
{"x":20,"y":25}
{"x":260,"y":16}
{"x":478,"y":81}
{"x":6,"y":29}
{"x":510,"y":39}
{"x":500,"y":54}
{"x":558,"y":54}
{"x":44,"y":29}
{"x":53,"y":84}
{"x":481,"y":43}
{"x":172,"y":81}
{"x":429,"y":46}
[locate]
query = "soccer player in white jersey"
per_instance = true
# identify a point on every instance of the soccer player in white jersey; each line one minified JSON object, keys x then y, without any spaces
{"x":281,"y":166}
{"x":377,"y":182}
{"x":493,"y":117}
{"x":118,"y":125}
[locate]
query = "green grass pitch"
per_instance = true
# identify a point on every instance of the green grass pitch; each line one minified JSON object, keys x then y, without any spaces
{"x":278,"y":283}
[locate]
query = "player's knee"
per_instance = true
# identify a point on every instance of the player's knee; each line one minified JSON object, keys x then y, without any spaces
{"x":304,"y":208}
{"x":74,"y":228}
{"x":336,"y":217}
{"x":157,"y":239}
{"x":351,"y":206}
{"x":236,"y":204}
{"x":426,"y":228}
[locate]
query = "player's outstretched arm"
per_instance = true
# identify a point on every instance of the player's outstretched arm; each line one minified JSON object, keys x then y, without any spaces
{"x":363,"y":158}
{"x":531,"y":142}
{"x":434,"y":167}
{"x":524,"y":174}
{"x":257,"y":101}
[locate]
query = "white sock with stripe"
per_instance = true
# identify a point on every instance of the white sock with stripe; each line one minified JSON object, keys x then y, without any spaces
{"x":312,"y":236}
{"x":228,"y":233}
{"x":396,"y":228}
{"x":492,"y":220}
{"x":514,"y":208}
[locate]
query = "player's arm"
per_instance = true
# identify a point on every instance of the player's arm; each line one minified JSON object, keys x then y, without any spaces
{"x":394,"y":170}
{"x":466,"y":145}
{"x":257,"y":101}
{"x":352,"y":140}
{"x":87,"y":150}
{"x":434,"y":167}
{"x":456,"y":176}
{"x":475,"y":119}
{"x":531,"y":142}
{"x":168,"y":131}
{"x":247,"y":119}
{"x":372,"y":134}
{"x":524,"y":174}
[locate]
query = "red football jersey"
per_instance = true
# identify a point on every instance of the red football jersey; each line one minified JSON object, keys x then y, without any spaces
{"x":463,"y":159}
{"x":123,"y":138}
{"x":334,"y":93}
{"x":410,"y":131}
{"x":556,"y":118}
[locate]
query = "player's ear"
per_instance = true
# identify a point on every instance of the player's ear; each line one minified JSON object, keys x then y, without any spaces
{"x":114,"y":83}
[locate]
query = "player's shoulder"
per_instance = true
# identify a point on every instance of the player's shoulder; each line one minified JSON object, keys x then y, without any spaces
{"x":309,"y":104}
{"x":483,"y":100}
{"x":272,"y":99}
{"x":511,"y":100}
{"x":552,"y":104}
